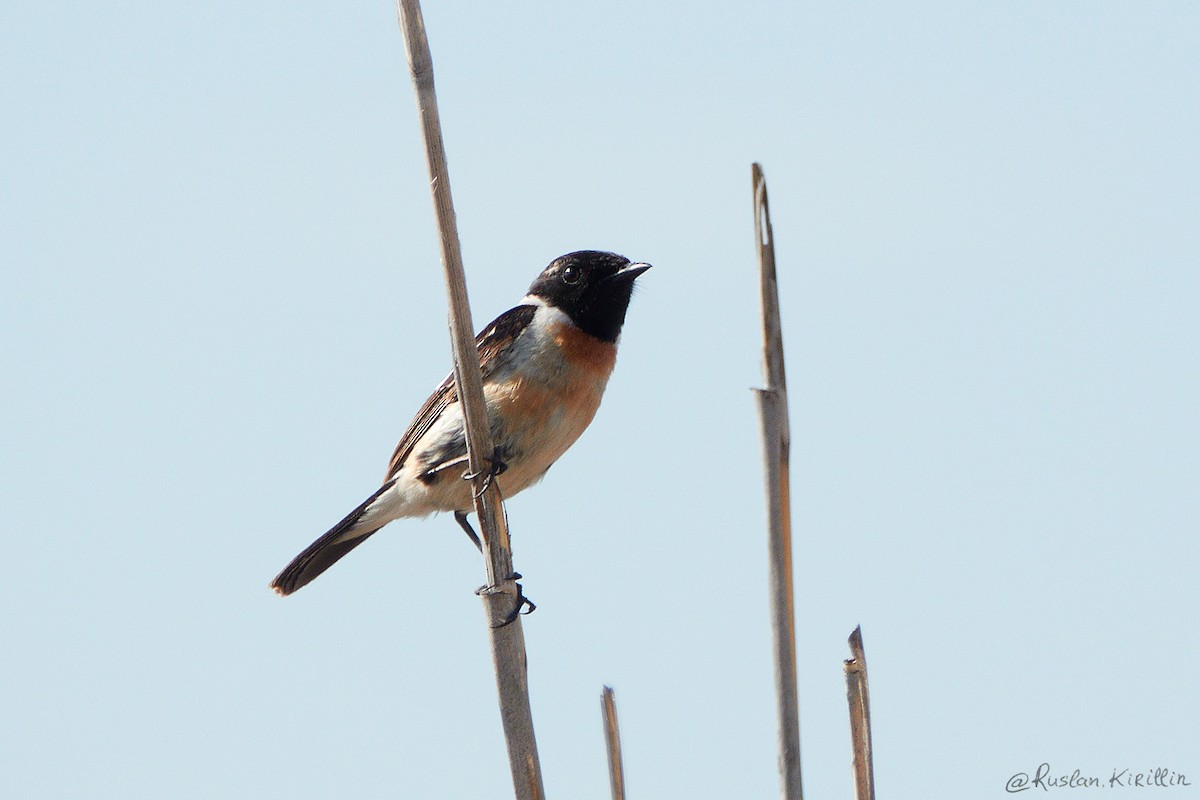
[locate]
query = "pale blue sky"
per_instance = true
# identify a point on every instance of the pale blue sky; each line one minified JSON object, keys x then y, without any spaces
{"x":223,"y":304}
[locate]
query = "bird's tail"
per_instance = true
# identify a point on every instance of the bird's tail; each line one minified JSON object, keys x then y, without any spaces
{"x":325,"y":551}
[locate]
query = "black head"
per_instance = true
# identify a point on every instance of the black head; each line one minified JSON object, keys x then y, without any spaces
{"x":592,"y":288}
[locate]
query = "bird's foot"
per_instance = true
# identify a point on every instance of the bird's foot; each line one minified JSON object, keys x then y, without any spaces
{"x":496,"y":467}
{"x":518,"y":607}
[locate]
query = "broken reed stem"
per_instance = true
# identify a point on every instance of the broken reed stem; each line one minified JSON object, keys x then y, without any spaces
{"x":858,"y":695}
{"x":500,"y":595}
{"x":612,"y":741}
{"x":776,"y":446}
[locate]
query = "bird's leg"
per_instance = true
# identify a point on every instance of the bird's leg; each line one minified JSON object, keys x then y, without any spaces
{"x":461,"y":518}
{"x":496,"y":467}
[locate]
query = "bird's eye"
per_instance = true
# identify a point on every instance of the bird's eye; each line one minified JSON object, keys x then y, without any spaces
{"x":571,"y":275}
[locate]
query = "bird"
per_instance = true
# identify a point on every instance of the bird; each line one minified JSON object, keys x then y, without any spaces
{"x":545,"y":365}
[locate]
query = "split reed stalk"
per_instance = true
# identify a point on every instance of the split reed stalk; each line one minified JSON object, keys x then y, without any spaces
{"x":776,"y":447}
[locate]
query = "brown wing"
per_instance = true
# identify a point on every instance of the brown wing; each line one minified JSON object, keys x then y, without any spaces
{"x":491,"y":343}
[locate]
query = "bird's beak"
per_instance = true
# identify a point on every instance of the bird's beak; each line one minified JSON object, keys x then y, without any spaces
{"x":629,"y":271}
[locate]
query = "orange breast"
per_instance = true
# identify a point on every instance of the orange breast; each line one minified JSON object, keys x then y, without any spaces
{"x":587,"y":354}
{"x":551,"y":400}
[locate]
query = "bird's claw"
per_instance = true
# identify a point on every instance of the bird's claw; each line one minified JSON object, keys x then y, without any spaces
{"x":496,"y":467}
{"x":518,"y":607}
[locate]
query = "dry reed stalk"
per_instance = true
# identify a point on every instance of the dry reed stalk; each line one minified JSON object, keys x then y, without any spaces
{"x":500,"y":596}
{"x":776,"y":446}
{"x":612,"y":741}
{"x":858,"y":695}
